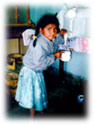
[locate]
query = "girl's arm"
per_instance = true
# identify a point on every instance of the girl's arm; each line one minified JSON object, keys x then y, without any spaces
{"x":42,"y":59}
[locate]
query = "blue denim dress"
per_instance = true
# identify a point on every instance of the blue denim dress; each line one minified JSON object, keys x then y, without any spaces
{"x":31,"y":90}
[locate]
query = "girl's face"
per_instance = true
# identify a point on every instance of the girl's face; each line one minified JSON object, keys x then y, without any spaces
{"x":49,"y":31}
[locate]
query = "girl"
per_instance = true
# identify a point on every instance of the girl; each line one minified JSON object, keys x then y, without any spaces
{"x":31,"y":90}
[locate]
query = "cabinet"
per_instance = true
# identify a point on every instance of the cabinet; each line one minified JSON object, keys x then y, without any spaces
{"x":17,"y":21}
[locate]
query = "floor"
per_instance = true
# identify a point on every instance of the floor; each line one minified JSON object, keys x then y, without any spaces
{"x":62,"y":99}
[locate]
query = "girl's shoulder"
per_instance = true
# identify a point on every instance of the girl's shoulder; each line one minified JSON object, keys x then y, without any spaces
{"x":41,"y":41}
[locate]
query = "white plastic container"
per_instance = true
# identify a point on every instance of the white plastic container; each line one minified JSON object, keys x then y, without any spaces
{"x":66,"y":55}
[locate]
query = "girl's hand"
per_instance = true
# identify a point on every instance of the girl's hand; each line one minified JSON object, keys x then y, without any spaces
{"x":72,"y":49}
{"x":58,"y":54}
{"x":63,"y":31}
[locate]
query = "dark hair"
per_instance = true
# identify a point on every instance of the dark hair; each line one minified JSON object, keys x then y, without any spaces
{"x":44,"y":21}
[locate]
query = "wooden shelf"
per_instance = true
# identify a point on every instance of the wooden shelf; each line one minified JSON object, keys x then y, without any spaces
{"x":20,"y":25}
{"x":17,"y":27}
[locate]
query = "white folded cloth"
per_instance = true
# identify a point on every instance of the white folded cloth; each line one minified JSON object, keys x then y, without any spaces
{"x":28,"y":36}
